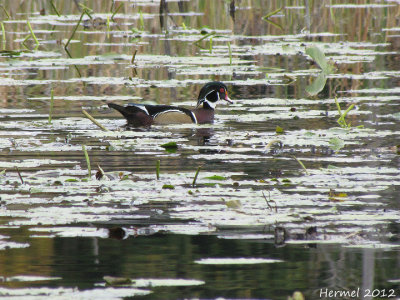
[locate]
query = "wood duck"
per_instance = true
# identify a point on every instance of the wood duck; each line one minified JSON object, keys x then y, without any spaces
{"x":139,"y":115}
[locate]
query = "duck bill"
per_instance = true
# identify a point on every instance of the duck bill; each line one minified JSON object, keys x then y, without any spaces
{"x":227,"y":99}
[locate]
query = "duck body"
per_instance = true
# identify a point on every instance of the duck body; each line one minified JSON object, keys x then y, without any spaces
{"x":143,"y":115}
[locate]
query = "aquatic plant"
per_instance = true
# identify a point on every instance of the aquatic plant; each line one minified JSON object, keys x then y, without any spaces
{"x":196,"y":175}
{"x":267,"y":17}
{"x":51,"y":105}
{"x":54,"y":8}
{"x":158,"y":169}
{"x":3,"y":32}
{"x":342,"y":115}
{"x":87,"y":161}
{"x":94,"y":120}
{"x":301,"y":164}
{"x":319,"y":83}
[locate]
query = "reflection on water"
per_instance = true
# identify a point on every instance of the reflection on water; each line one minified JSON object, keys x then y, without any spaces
{"x":82,"y":263}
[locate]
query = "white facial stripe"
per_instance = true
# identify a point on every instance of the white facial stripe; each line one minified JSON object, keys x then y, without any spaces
{"x":205,"y":97}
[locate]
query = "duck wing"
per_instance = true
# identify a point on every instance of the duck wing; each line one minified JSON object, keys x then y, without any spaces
{"x":157,"y":114}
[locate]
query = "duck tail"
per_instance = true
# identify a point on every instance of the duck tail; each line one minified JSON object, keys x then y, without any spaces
{"x":120,"y":109}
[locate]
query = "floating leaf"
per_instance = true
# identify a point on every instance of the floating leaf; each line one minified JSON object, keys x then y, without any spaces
{"x":334,"y":196}
{"x":110,"y":280}
{"x":216,"y":177}
{"x":332,"y":167}
{"x":12,"y":52}
{"x":317,"y":85}
{"x":319,"y":57}
{"x":71,"y":180}
{"x":170,"y":147}
{"x":234,"y":204}
{"x":279,"y":130}
{"x":168,"y":187}
{"x":297,"y":296}
{"x":336,"y":143}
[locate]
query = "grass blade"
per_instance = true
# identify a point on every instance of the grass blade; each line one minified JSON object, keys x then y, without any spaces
{"x":6,"y":12}
{"x":158,"y":169}
{"x":3,"y":32}
{"x":115,"y":12}
{"x":76,"y":27}
{"x":272,"y":13}
{"x":51,"y":105}
{"x":301,"y":164}
{"x":32,"y":33}
{"x":141,"y":20}
{"x":230,"y":53}
{"x":87,"y":160}
{"x":94,"y":120}
{"x":196,"y":175}
{"x":19,"y":174}
{"x":54,"y":8}
{"x":347,"y":110}
{"x":108,"y":27}
{"x":133,"y":57}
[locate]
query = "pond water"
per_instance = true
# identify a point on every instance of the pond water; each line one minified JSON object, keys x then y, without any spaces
{"x":276,"y":196}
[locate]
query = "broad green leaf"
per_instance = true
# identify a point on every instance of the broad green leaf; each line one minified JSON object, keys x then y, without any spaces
{"x":336,"y":143}
{"x":319,"y":57}
{"x":216,"y":177}
{"x":234,"y":204}
{"x":317,"y":85}
{"x":168,"y":187}
{"x":279,"y":130}
{"x":170,"y":147}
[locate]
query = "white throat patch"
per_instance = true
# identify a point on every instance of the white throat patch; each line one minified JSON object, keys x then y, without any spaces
{"x":211,"y":104}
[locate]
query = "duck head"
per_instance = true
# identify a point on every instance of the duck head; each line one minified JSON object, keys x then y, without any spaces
{"x":211,"y":93}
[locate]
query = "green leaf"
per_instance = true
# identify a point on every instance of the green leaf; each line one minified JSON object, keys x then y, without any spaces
{"x":235,"y":204}
{"x":332,"y":167}
{"x":336,"y":143}
{"x":309,"y":133}
{"x":279,"y":130}
{"x":270,"y":14}
{"x":170,"y":147}
{"x":110,"y":280}
{"x":317,"y":85}
{"x":11,"y":52}
{"x":337,"y":196}
{"x":35,"y":190}
{"x":216,"y":177}
{"x":319,"y":57}
{"x":71,"y":180}
{"x":297,"y":296}
{"x":168,"y":187}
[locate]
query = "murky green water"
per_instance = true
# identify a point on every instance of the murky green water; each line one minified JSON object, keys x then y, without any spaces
{"x":286,"y":199}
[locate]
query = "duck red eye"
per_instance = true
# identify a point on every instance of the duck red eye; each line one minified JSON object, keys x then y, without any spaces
{"x":222,"y":90}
